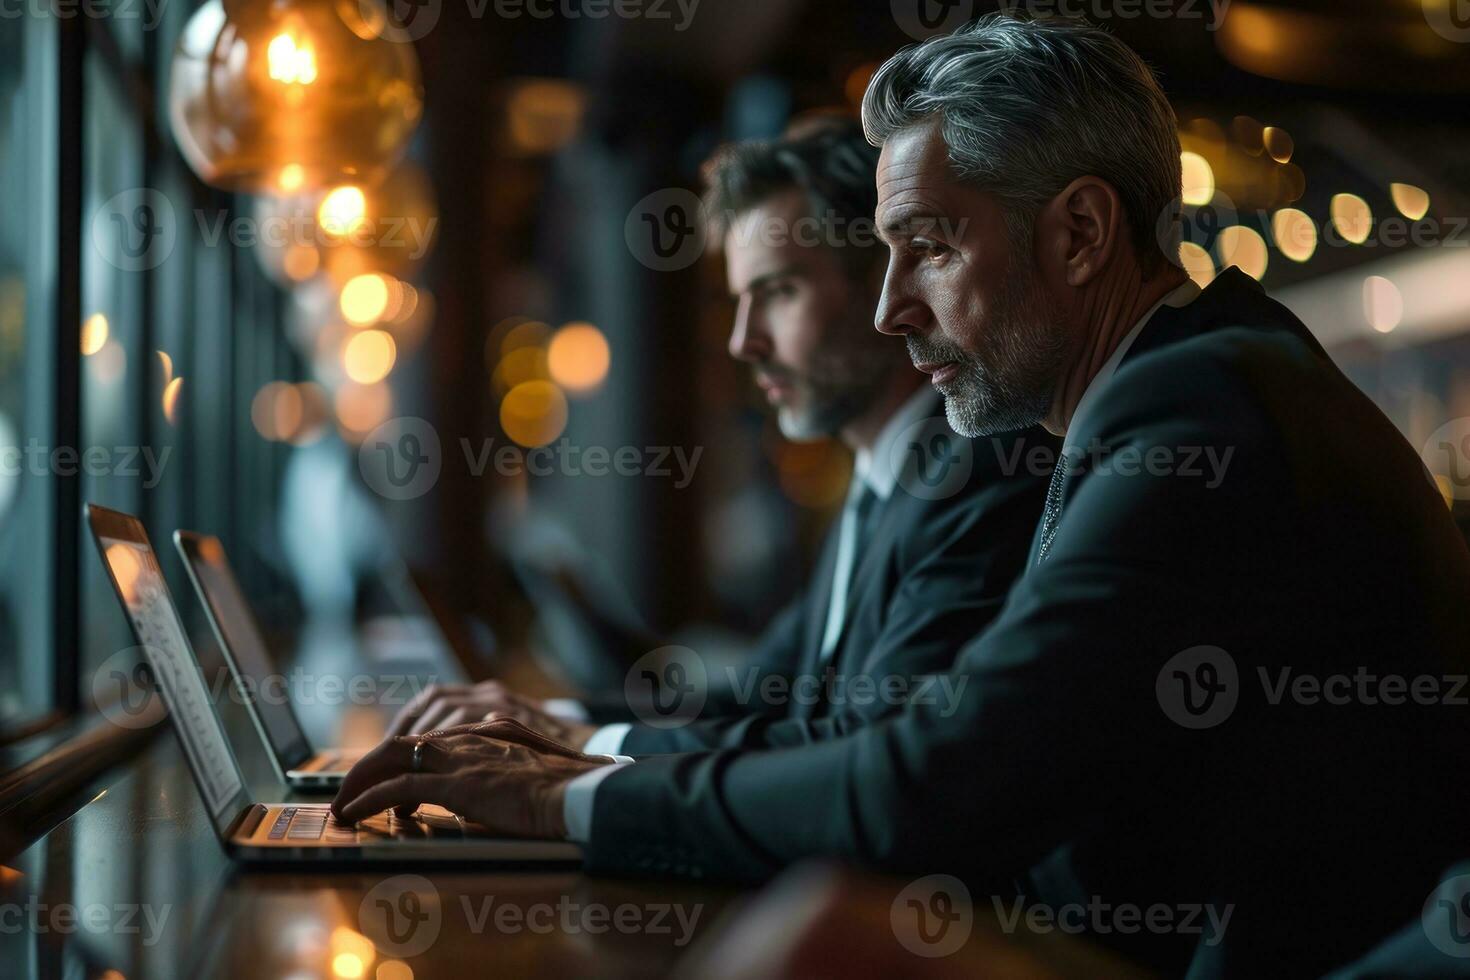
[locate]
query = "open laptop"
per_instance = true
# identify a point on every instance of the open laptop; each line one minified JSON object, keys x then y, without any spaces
{"x":271,"y":833}
{"x":297,"y":762}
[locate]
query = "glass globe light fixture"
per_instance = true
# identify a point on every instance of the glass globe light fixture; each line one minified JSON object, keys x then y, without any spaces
{"x":286,"y":96}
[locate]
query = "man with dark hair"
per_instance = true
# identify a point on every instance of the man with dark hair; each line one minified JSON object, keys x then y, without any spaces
{"x":935,"y":527}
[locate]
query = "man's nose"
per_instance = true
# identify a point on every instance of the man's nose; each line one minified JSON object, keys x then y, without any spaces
{"x":899,"y":310}
{"x":748,"y":338}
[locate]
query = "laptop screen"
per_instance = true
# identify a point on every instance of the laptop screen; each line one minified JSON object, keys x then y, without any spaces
{"x":140,"y":586}
{"x":236,"y":629}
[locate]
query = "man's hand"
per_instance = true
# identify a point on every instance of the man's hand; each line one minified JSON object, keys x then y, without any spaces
{"x":444,"y":706}
{"x":497,"y":773}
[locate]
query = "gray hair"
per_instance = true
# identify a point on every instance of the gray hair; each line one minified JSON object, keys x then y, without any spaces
{"x":1027,"y":106}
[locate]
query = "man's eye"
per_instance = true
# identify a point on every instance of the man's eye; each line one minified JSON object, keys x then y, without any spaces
{"x":931,"y":250}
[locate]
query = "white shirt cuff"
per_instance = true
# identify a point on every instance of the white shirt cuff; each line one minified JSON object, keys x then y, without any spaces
{"x":576,"y":804}
{"x":607,"y":740}
{"x":567,"y":709}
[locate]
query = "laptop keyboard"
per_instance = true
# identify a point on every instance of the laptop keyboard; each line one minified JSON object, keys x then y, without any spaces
{"x":312,"y":823}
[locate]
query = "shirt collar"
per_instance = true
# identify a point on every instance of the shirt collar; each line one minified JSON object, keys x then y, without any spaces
{"x":881,"y":479}
{"x":1182,"y":295}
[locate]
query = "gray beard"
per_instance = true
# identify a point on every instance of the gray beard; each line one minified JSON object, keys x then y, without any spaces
{"x":1011,"y":385}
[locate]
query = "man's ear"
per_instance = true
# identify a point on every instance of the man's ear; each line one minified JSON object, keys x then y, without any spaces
{"x":1079,"y":231}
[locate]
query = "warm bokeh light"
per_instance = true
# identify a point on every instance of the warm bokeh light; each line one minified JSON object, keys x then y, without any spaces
{"x":313,"y":400}
{"x":394,"y":970}
{"x":1383,"y":304}
{"x":300,"y":262}
{"x":342,"y":211}
{"x":348,"y":966}
{"x":369,"y":356}
{"x":292,"y":94}
{"x":292,"y":61}
{"x":1243,"y":247}
{"x":362,"y":408}
{"x":1352,"y":217}
{"x":519,"y":366}
{"x":364,"y":299}
{"x":1278,"y":143}
{"x":94,"y":333}
{"x":277,"y":411}
{"x":1197,"y":262}
{"x":171,"y":400}
{"x":1294,"y":233}
{"x":1412,"y":202}
{"x":351,"y":950}
{"x":1199,"y":179}
{"x":813,"y":474}
{"x":534,"y":413}
{"x":1249,"y":133}
{"x":165,"y":368}
{"x":543,"y":114}
{"x":578,"y":357}
{"x":527,"y":333}
{"x":291,"y":177}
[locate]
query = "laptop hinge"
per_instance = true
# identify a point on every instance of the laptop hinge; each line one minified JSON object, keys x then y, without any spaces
{"x":245,"y":824}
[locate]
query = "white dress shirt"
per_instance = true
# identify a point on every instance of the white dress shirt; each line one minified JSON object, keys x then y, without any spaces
{"x":871,"y":468}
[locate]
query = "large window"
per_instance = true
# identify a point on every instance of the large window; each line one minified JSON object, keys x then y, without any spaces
{"x":27,"y":366}
{"x":131,"y":343}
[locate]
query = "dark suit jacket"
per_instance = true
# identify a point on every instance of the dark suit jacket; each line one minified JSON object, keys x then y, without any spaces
{"x":1324,"y":551}
{"x":939,"y":557}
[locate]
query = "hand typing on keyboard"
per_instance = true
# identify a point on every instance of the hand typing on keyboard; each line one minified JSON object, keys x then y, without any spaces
{"x":500,"y":774}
